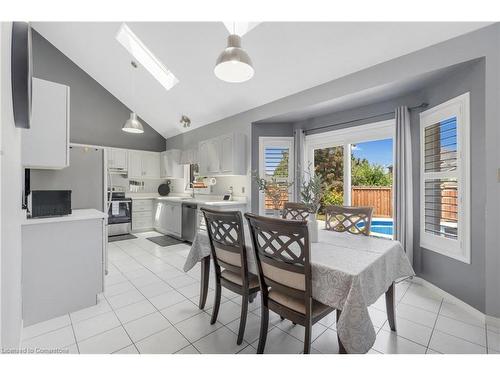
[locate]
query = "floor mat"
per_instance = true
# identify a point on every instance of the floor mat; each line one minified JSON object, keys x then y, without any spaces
{"x":121,"y":237}
{"x":165,"y":240}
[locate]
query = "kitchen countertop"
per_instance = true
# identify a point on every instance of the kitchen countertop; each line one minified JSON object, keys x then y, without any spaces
{"x":198,"y":200}
{"x":79,"y":214}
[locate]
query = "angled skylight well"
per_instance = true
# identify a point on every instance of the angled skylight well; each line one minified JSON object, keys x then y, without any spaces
{"x":239,"y":28}
{"x":145,"y":57}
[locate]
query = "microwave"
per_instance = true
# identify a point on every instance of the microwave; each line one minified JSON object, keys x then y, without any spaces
{"x":46,"y":203}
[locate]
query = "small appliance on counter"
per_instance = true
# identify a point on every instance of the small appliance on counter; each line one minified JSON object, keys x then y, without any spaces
{"x":46,"y":203}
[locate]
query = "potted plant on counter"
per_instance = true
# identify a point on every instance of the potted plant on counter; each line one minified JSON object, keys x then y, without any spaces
{"x":312,"y":192}
{"x":274,"y":188}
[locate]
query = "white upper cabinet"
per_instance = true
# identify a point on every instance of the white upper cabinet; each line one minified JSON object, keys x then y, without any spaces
{"x":224,"y":155}
{"x":46,"y":144}
{"x":151,"y":164}
{"x":117,"y":160}
{"x":135,"y":164}
{"x":143,"y":164}
{"x":169,"y":164}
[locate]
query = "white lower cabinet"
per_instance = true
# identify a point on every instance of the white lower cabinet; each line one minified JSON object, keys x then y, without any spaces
{"x":168,"y":218}
{"x":142,"y":214}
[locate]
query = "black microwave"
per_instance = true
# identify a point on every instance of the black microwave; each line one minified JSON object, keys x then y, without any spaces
{"x":42,"y":203}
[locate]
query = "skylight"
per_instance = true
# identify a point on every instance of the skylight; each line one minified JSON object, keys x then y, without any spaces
{"x":145,"y":57}
{"x":239,"y":28}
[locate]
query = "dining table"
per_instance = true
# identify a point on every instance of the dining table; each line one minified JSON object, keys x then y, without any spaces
{"x":349,"y":273}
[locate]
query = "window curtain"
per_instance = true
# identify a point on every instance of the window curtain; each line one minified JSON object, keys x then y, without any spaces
{"x":298,"y":138}
{"x":403,"y":184}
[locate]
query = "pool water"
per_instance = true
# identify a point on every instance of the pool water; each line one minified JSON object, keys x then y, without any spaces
{"x":381,"y":226}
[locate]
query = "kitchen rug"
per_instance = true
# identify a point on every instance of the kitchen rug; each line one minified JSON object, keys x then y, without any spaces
{"x":165,"y":240}
{"x":121,"y":237}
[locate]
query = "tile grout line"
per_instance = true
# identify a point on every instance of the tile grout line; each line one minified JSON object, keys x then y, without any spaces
{"x":74,"y":334}
{"x":434,"y":327}
{"x":123,"y":327}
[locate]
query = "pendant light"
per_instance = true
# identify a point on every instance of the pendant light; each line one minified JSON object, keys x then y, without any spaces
{"x":233,"y":64}
{"x":133,"y":125}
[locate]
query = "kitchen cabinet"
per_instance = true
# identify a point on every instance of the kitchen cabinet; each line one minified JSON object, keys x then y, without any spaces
{"x":169,"y":164}
{"x":168,"y":217}
{"x":224,"y":155}
{"x":143,"y":164}
{"x":117,"y":160}
{"x":46,"y":144}
{"x":63,"y":262}
{"x":142,"y":214}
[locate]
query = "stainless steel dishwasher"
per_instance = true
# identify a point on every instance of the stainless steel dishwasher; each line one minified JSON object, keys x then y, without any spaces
{"x":189,"y":216}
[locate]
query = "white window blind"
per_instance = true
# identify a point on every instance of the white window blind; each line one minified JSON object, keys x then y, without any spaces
{"x":445,"y":185}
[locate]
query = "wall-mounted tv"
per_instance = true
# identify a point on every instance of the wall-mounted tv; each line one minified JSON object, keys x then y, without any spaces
{"x":21,"y":72}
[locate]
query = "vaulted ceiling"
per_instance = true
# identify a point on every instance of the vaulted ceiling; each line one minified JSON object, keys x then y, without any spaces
{"x":288,"y":58}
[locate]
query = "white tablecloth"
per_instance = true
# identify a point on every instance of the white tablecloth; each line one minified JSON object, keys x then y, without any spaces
{"x":349,"y":273}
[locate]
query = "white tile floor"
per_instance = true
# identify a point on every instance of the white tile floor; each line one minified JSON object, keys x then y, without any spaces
{"x":150,"y":306}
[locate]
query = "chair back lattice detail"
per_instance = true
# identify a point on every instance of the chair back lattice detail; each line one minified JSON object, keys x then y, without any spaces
{"x":227,"y":242}
{"x":282,"y":250}
{"x":355,"y":220}
{"x":295,"y":211}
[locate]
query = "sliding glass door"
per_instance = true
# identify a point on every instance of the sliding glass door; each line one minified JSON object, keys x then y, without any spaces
{"x":357,"y":164}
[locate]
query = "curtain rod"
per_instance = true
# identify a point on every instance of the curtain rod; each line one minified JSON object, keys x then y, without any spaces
{"x":423,"y":105}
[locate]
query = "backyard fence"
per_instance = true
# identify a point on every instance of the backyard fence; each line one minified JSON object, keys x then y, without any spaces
{"x":378,"y":197}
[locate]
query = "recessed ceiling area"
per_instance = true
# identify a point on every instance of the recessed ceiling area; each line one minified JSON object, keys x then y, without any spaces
{"x":288,"y":57}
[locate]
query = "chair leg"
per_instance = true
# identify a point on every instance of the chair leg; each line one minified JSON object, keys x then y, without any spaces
{"x":390,"y":296}
{"x":243,"y":318}
{"x":341,"y":347}
{"x":307,"y":338}
{"x":264,"y":322}
{"x":215,"y":310}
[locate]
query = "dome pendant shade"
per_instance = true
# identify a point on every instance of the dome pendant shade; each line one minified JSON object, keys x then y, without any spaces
{"x":234,"y":65}
{"x":133,"y":125}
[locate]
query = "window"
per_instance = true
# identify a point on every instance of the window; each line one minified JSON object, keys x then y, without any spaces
{"x":445,"y":179}
{"x":356,"y":165}
{"x":275,"y":161}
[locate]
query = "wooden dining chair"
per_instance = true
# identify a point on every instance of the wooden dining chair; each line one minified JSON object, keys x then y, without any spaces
{"x":282,"y":251}
{"x":227,"y":244}
{"x":355,"y":220}
{"x":295,"y":211}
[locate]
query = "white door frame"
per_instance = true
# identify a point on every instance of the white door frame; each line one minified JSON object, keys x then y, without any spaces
{"x":277,"y":142}
{"x":346,"y":137}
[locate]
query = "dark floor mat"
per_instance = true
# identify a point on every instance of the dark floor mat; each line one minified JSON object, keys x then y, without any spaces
{"x":121,"y":237}
{"x":165,"y":240}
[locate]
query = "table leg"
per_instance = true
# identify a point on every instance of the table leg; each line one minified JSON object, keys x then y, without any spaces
{"x":341,"y":347}
{"x":390,"y":297}
{"x":205,"y":273}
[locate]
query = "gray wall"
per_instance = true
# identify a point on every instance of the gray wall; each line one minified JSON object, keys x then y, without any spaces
{"x":482,"y":43}
{"x":96,"y":115}
{"x":465,"y":281}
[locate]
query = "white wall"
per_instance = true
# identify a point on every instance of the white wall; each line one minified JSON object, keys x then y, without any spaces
{"x":11,"y":187}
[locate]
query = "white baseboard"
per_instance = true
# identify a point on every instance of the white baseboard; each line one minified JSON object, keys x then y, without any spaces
{"x":472,"y":310}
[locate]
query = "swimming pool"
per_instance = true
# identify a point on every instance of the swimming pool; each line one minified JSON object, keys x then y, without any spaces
{"x":380,"y":226}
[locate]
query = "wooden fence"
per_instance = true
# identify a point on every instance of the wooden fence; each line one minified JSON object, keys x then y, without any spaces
{"x":378,"y":197}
